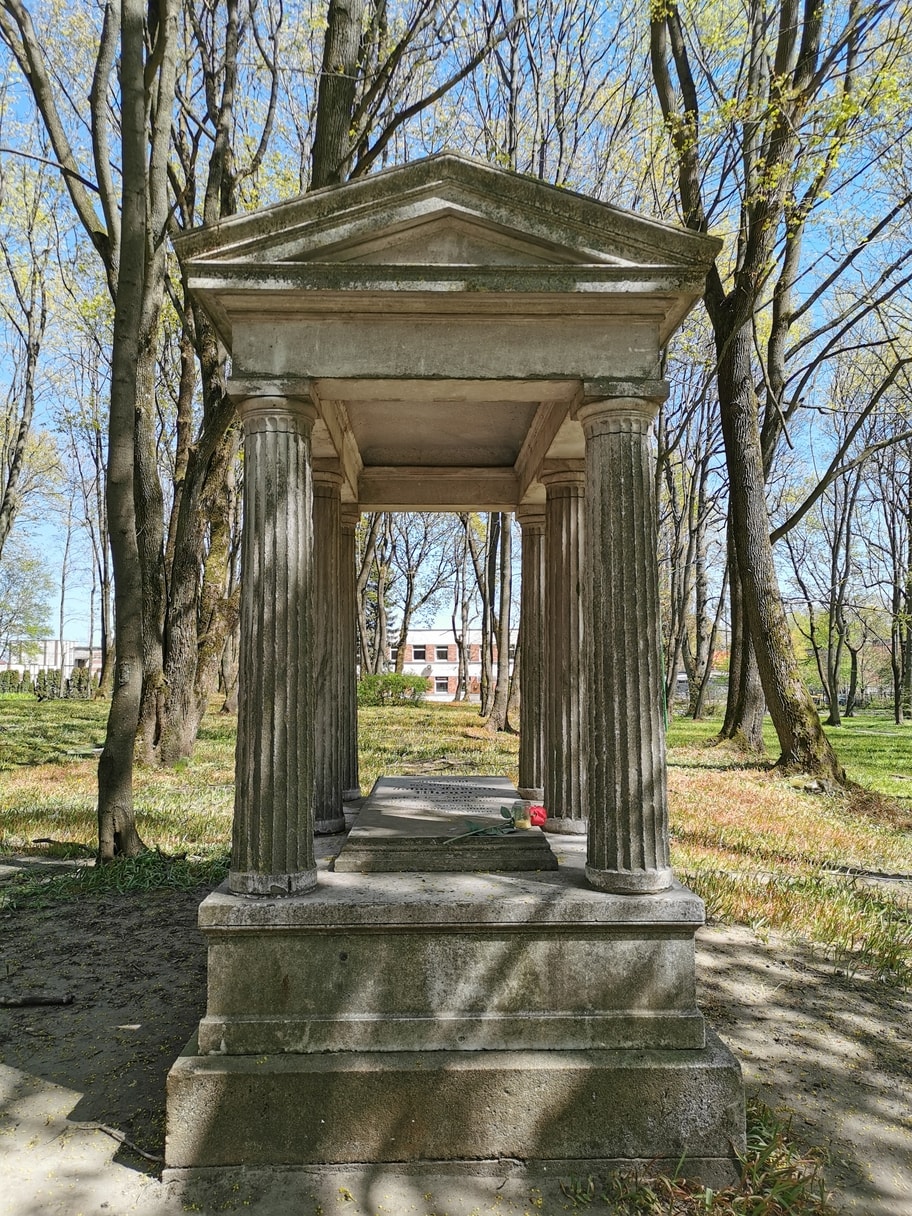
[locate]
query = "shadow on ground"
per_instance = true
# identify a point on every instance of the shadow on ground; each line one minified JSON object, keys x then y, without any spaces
{"x":835,"y":1049}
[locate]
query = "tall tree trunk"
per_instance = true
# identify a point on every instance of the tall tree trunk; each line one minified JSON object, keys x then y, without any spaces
{"x":332,"y":145}
{"x":489,"y":613}
{"x":116,"y":827}
{"x":852,"y":694}
{"x":150,"y":537}
{"x":804,"y":746}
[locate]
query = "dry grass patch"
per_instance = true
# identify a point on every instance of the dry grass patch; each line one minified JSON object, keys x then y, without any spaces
{"x":762,"y":853}
{"x":434,"y":739}
{"x":758,"y":850}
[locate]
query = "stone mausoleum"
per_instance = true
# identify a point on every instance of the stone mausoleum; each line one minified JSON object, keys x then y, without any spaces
{"x":451,"y":336}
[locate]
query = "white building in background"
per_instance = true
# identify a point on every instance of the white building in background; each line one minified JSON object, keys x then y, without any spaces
{"x":48,"y":654}
{"x":433,"y":653}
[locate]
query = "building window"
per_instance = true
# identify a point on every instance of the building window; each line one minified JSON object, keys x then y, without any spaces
{"x":419,"y":654}
{"x":512,"y":652}
{"x":441,"y":684}
{"x":394,"y":653}
{"x":442,"y":654}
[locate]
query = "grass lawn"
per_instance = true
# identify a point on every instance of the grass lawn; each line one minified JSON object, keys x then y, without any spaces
{"x":757,"y":847}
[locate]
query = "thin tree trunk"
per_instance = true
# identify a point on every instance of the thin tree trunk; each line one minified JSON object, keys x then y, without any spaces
{"x":698,"y":702}
{"x":498,"y":716}
{"x":63,"y":581}
{"x":514,"y":705}
{"x":744,"y":708}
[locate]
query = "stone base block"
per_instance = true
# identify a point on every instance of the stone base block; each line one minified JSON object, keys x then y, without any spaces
{"x":574,"y":1108}
{"x":458,"y":1188}
{"x":450,"y":962}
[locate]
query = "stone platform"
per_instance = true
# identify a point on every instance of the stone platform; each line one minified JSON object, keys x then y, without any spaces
{"x":442,"y":1020}
{"x":412,"y":824}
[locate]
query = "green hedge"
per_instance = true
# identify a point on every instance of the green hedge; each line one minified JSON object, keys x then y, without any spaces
{"x":394,"y":688}
{"x":81,"y":686}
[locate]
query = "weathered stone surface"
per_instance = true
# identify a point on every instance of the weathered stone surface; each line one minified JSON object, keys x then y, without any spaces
{"x":566,"y":729}
{"x":558,"y":1106}
{"x":628,"y":823}
{"x":420,"y":824}
{"x":532,"y":683}
{"x":272,"y":841}
{"x":430,"y":1017}
{"x":459,"y":1188}
{"x":556,"y":898}
{"x":459,"y":961}
{"x":483,"y":795}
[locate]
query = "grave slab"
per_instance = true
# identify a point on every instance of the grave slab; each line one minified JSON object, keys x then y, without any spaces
{"x":422,"y":824}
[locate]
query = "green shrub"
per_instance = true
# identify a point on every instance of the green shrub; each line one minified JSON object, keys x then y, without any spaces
{"x":26,"y":683}
{"x":393,"y":688}
{"x":81,"y":685}
{"x":47,"y":684}
{"x":9,"y":681}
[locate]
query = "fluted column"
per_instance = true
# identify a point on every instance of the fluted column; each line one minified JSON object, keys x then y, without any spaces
{"x":566,"y":740}
{"x":351,"y":788}
{"x":628,"y":849}
{"x":272,"y":837}
{"x":327,"y":489}
{"x":532,"y":660}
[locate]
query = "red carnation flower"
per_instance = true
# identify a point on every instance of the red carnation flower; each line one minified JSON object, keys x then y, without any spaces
{"x":537,"y":816}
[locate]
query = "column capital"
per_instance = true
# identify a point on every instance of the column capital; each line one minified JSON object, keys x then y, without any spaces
{"x":294,"y":388}
{"x":327,"y":472}
{"x":351,"y":514}
{"x":531,"y":516}
{"x":277,"y":415}
{"x":619,"y":405}
{"x":570,"y":473}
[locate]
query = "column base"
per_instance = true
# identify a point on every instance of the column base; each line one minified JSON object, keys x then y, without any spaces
{"x":568,"y":827}
{"x":352,"y":795}
{"x":630,"y":882}
{"x":531,"y":793}
{"x":250,"y":882}
{"x":330,"y":827}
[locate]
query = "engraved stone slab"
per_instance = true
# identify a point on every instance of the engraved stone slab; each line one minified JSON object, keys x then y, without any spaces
{"x":420,"y":823}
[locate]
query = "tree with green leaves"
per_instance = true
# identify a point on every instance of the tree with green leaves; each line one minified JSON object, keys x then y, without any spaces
{"x":759,"y":118}
{"x":26,"y":586}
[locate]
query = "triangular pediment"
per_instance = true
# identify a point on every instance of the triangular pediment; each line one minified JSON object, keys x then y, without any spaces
{"x":446,"y":210}
{"x":447,"y":236}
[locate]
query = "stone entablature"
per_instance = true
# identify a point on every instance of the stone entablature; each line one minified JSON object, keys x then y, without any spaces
{"x":443,"y":317}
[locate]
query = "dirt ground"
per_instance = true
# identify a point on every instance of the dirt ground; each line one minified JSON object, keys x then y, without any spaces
{"x":835,"y":1049}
